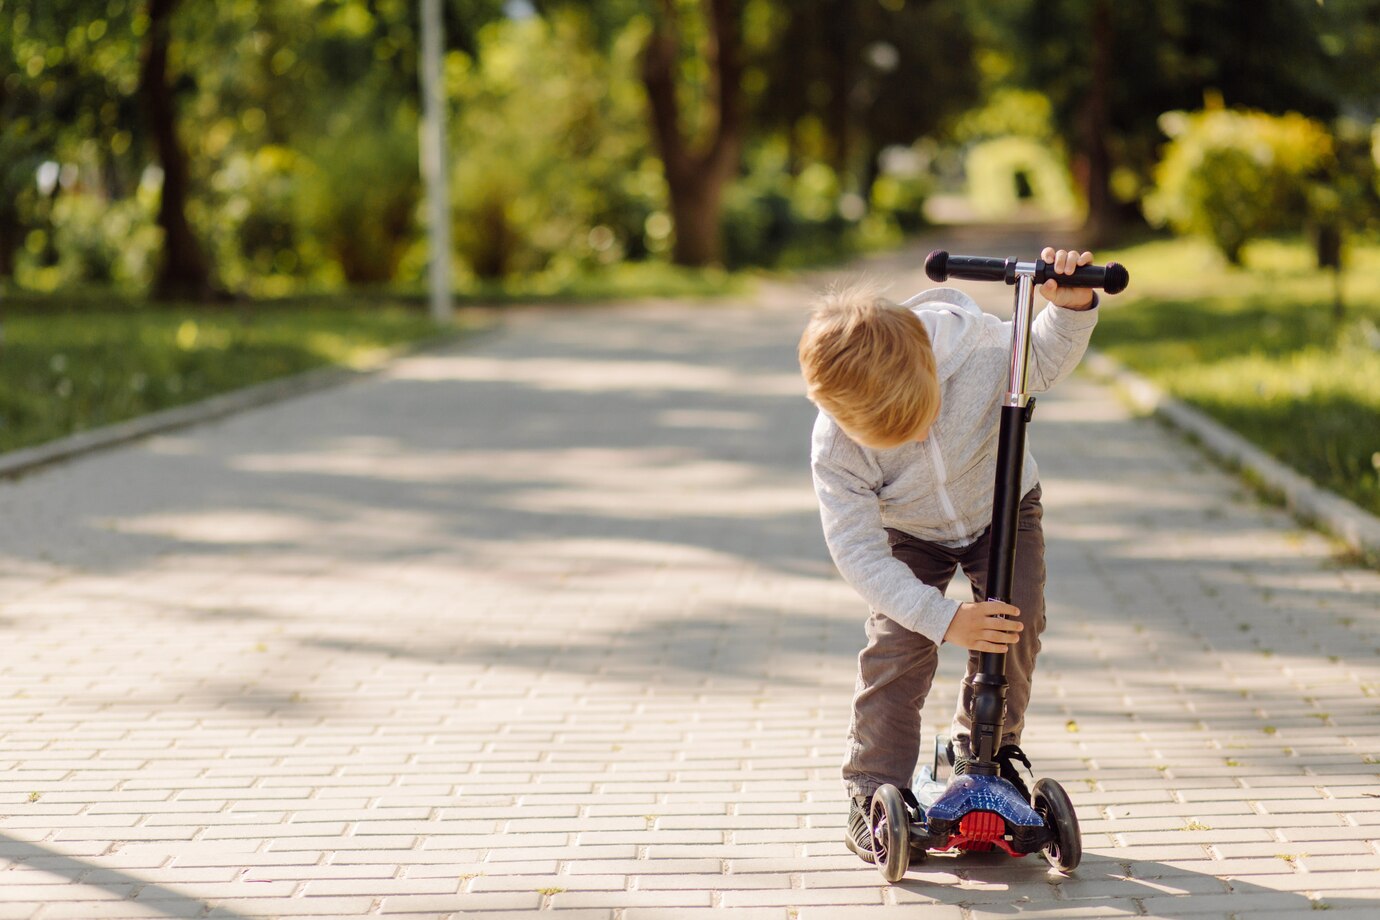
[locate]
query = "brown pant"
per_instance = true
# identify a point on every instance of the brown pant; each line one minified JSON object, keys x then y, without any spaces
{"x":896,"y":668}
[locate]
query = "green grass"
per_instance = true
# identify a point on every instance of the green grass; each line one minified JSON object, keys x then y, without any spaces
{"x":71,"y":361}
{"x":1260,"y":349}
{"x":69,"y":364}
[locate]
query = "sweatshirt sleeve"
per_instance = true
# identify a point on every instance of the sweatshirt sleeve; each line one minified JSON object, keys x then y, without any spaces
{"x":852,"y":518}
{"x":1058,"y":338}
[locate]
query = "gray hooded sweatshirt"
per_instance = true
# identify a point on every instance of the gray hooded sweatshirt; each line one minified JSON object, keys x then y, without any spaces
{"x":939,"y":489}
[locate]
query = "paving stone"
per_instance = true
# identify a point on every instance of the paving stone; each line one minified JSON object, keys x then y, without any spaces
{"x":562,"y":900}
{"x":238,"y":909}
{"x":1245,"y":902}
{"x":789,"y":897}
{"x":544,"y":621}
{"x":466,"y":903}
{"x":1062,"y":909}
{"x":720,"y":913}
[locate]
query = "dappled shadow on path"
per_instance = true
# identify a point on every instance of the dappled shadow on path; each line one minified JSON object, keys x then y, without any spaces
{"x":568,"y":436}
{"x":569,"y":458}
{"x":110,"y":886}
{"x":999,"y":886}
{"x":607,"y":515}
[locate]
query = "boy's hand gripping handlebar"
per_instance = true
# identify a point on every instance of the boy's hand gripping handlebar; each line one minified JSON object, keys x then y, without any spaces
{"x":941,"y":266}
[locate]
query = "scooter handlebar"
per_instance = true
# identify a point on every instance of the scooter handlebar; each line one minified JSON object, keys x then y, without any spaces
{"x":941,"y":266}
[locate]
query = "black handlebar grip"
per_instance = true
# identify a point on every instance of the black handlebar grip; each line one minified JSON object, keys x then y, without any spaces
{"x":940,"y":266}
{"x":1111,"y":277}
{"x":937,"y":265}
{"x":1114,"y":277}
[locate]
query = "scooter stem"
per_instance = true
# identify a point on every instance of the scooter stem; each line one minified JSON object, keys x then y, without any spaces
{"x":989,"y":683}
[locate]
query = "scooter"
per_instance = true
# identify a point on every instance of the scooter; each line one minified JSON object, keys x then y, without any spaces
{"x":978,"y":810}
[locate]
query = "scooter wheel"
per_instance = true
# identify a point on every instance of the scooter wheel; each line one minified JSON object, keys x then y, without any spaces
{"x":890,"y":833}
{"x":1052,"y":803}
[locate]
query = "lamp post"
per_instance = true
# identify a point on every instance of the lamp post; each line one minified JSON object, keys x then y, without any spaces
{"x":433,"y":160}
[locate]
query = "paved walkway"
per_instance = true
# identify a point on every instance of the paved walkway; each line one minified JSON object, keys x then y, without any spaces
{"x":545,"y":622}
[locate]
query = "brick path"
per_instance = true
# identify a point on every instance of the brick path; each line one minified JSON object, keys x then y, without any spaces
{"x":545,"y":622}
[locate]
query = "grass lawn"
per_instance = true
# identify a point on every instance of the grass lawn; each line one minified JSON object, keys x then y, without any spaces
{"x":1260,"y":349}
{"x":73,"y":361}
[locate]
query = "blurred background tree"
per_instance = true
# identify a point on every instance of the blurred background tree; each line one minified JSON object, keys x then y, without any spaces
{"x":1110,"y":69}
{"x":844,"y":81}
{"x":183,"y":270}
{"x":261,"y":147}
{"x":700,"y":142}
{"x":554,"y":172}
{"x":264,"y":150}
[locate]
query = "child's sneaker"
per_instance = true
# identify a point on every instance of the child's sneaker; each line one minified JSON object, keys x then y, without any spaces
{"x":859,"y":835}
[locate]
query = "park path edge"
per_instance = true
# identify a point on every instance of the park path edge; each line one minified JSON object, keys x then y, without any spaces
{"x":1305,"y":499}
{"x":27,"y":459}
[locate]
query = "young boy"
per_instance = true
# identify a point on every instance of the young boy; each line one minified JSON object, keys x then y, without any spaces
{"x":904,"y":456}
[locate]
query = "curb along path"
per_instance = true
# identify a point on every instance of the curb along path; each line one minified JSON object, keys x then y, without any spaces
{"x":545,"y":622}
{"x":1353,"y":525}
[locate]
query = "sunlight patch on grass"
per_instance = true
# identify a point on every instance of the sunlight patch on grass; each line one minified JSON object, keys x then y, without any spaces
{"x":70,"y":367}
{"x":1262,"y":349}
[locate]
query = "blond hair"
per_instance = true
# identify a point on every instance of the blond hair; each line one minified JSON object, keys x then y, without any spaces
{"x":869,"y":364}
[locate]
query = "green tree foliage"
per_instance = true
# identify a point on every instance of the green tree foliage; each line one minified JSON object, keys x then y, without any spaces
{"x":68,"y":74}
{"x":553,"y":169}
{"x":317,"y":185}
{"x":358,"y":190}
{"x":1110,"y":69}
{"x":297,"y":120}
{"x":1348,"y":32}
{"x":589,"y":132}
{"x":845,"y":79}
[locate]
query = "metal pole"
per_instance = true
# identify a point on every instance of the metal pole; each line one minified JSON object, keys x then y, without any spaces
{"x":433,"y":160}
{"x":989,"y":683}
{"x":1016,"y":394}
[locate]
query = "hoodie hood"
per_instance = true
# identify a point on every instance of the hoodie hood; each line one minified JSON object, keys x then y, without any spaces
{"x":954,"y":322}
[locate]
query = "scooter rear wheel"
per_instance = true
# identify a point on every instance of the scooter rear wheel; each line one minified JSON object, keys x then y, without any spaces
{"x":1052,"y":803}
{"x":890,"y":833}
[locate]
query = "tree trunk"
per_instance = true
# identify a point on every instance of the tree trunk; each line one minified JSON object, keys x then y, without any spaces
{"x":839,"y":112}
{"x":696,"y":174}
{"x":10,"y":232}
{"x":696,"y":214}
{"x":1327,"y":245}
{"x":1094,"y":159}
{"x":183,"y":271}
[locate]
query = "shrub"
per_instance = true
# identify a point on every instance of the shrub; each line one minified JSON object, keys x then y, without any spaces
{"x":256,"y":237}
{"x":1233,"y":176}
{"x":775,"y":219}
{"x":359,"y":189}
{"x":1004,"y":173}
{"x":772,"y":218}
{"x":94,"y":241}
{"x":551,"y":163}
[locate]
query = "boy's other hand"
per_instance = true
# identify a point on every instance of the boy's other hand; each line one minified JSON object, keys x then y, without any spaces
{"x":983,"y":628}
{"x":1065,"y":261}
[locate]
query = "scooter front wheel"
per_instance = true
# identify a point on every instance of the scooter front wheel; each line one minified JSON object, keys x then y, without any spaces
{"x":1052,"y":803}
{"x":890,"y":825}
